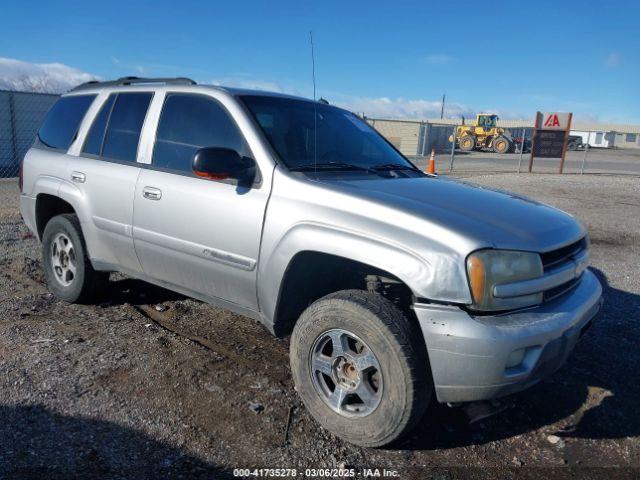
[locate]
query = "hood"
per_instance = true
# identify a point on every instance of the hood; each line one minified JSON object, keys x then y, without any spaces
{"x":492,"y":217}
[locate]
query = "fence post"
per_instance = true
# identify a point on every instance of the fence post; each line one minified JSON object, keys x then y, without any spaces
{"x":424,"y":138}
{"x":14,"y":134}
{"x":453,"y":148}
{"x":584,"y":157}
{"x":521,"y":150}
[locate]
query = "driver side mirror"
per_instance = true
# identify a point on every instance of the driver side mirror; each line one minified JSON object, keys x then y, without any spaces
{"x":216,"y":163}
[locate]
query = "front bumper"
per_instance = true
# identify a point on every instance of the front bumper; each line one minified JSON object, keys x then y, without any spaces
{"x":476,"y":357}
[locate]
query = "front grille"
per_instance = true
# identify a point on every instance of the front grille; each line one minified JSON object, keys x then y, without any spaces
{"x":560,"y":289}
{"x":558,"y":257}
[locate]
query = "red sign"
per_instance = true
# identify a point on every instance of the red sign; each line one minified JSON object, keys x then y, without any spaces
{"x":553,"y":121}
{"x":550,"y":136}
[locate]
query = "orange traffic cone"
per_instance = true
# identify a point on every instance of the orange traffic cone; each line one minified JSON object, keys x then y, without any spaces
{"x":432,"y":162}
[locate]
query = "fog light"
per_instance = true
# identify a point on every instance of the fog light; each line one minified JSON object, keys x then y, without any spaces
{"x":515,"y":358}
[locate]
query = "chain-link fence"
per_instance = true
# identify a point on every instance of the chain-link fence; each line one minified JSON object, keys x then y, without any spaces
{"x":20,"y":117}
{"x":589,"y":151}
{"x":595,"y":151}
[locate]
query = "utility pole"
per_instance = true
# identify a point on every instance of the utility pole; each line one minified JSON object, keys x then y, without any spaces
{"x":442,"y":108}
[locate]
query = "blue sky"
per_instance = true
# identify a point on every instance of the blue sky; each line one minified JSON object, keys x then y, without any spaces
{"x":383,"y":58}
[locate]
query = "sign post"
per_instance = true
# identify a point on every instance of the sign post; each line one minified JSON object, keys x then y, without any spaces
{"x":551,"y":136}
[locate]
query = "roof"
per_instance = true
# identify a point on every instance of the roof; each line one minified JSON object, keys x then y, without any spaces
{"x":180,"y":81}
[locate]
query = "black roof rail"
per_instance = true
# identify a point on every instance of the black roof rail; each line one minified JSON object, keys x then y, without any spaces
{"x":122,"y":81}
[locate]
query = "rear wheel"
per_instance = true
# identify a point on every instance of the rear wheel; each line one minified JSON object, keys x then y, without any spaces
{"x":467,"y":143}
{"x":501,"y":145}
{"x":360,"y":367}
{"x":572,"y":146}
{"x":68,"y":270}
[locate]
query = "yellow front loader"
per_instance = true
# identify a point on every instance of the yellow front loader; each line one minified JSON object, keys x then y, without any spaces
{"x":483,"y":135}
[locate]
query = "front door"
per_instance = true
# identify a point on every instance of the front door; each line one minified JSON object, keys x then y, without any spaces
{"x":199,"y":234}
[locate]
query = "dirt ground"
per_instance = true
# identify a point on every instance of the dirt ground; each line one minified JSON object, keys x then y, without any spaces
{"x":148,"y":384}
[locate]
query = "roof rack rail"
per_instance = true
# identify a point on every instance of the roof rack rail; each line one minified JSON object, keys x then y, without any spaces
{"x":122,"y":81}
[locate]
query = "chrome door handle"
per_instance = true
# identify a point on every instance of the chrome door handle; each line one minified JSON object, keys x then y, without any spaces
{"x":152,"y":193}
{"x":78,"y":177}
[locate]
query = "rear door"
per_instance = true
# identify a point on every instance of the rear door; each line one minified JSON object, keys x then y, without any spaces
{"x":199,"y":234}
{"x":106,"y":172}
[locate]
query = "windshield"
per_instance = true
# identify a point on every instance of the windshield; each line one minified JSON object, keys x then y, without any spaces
{"x":486,"y":121}
{"x":343,"y":139}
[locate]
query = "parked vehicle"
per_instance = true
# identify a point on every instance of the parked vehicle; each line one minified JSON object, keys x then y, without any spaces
{"x":397,"y":287}
{"x":484,"y":134}
{"x":520,"y":143}
{"x":575,"y":142}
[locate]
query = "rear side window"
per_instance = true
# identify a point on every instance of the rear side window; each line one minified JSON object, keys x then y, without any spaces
{"x":93,"y":143}
{"x":124,"y":124}
{"x":190,"y":122}
{"x":61,"y":124}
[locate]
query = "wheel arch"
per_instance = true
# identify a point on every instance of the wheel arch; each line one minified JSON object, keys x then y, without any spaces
{"x":47,"y":207}
{"x":66,"y":198}
{"x":308,"y":249}
{"x":310,"y":275}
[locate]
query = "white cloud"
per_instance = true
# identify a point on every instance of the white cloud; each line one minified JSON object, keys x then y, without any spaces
{"x":383,"y":107}
{"x":437,"y":59}
{"x":612,"y":60}
{"x":40,"y":77}
{"x":248,"y":83}
{"x":402,"y":108}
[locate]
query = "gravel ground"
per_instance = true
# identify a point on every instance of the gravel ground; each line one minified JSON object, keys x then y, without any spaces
{"x":150,"y":384}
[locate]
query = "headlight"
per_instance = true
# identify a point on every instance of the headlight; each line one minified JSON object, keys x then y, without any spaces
{"x":488,"y":268}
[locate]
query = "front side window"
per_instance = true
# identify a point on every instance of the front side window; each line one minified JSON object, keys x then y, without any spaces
{"x":125,"y":122}
{"x":61,"y":124}
{"x":306,"y":135}
{"x":189,"y":122}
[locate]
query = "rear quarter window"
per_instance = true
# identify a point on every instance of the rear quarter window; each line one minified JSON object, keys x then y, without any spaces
{"x":61,"y":124}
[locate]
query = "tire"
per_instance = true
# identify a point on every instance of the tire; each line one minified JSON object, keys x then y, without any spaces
{"x":67,"y":268}
{"x":501,"y":145}
{"x":467,"y":143}
{"x":572,"y":146}
{"x":400,"y":371}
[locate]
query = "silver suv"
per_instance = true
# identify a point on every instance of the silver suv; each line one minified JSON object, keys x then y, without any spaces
{"x":396,"y":286}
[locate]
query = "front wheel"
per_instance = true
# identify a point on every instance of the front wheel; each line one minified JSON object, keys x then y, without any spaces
{"x":360,"y":367}
{"x":501,"y":145}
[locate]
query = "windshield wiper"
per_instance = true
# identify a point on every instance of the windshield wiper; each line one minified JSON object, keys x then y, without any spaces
{"x":326,"y":166}
{"x":394,"y":166}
